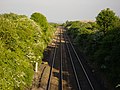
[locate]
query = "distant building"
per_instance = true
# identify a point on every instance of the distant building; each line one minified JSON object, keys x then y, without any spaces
{"x":86,"y":21}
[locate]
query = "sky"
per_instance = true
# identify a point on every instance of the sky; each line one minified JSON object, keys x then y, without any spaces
{"x":60,"y":10}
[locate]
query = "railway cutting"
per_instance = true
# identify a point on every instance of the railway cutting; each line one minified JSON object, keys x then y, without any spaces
{"x":63,"y":68}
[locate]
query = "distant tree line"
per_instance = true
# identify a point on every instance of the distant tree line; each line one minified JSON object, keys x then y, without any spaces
{"x":100,"y":41}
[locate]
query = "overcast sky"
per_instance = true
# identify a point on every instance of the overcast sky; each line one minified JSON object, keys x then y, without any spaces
{"x":60,"y":10}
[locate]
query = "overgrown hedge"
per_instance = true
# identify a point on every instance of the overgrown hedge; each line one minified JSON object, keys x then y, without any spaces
{"x":22,"y":43}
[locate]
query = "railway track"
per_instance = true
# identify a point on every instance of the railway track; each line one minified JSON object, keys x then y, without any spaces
{"x":72,"y":75}
{"x":60,"y":70}
{"x":52,"y":64}
{"x":82,"y":79}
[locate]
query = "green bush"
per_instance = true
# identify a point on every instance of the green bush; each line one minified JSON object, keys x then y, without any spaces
{"x":40,"y":20}
{"x":21,"y":45}
{"x":47,"y":29}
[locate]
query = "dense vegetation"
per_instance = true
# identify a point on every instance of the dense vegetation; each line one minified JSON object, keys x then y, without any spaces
{"x":47,"y":29}
{"x":100,"y":41}
{"x":22,"y":42}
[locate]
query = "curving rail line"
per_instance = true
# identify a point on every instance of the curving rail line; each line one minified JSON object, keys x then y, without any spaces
{"x":60,"y":72}
{"x":80,"y":63}
{"x":53,"y":62}
{"x":73,"y":67}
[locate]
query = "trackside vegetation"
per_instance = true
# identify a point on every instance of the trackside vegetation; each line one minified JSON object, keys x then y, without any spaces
{"x":100,"y":41}
{"x":22,"y":42}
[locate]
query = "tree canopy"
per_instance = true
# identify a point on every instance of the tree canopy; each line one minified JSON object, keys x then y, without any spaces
{"x":22,"y":43}
{"x":105,"y":20}
{"x":100,"y":41}
{"x":40,"y":20}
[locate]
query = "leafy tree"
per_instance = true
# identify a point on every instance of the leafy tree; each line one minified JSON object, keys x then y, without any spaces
{"x":46,"y":28}
{"x":105,"y":20}
{"x":103,"y":51}
{"x":21,"y":45}
{"x":40,"y":20}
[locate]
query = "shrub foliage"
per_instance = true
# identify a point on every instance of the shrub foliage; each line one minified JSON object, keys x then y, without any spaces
{"x":22,"y":43}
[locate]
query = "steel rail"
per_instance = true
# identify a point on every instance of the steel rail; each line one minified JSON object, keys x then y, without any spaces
{"x":60,"y":70}
{"x":65,"y":64}
{"x":73,"y":66}
{"x":53,"y":61}
{"x":81,"y":64}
